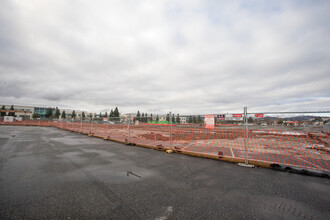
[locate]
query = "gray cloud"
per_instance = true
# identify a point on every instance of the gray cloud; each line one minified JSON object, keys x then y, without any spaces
{"x":156,"y":56}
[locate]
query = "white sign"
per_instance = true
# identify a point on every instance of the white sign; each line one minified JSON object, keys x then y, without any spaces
{"x":209,"y":121}
{"x":8,"y":119}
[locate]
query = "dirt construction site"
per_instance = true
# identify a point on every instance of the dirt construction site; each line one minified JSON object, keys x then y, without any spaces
{"x":283,"y":147}
{"x":296,"y":147}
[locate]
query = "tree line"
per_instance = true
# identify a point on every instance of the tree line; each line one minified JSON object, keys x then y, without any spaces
{"x":144,"y":117}
{"x":55,"y":114}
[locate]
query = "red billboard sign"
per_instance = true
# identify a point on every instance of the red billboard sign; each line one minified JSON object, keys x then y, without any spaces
{"x":260,"y":115}
{"x":221,"y":117}
{"x":237,"y":115}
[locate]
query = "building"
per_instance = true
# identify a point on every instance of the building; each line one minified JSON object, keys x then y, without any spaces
{"x":42,"y":111}
{"x":27,"y":112}
{"x":20,"y":111}
{"x":68,"y":113}
{"x":183,"y":120}
{"x":291,"y":123}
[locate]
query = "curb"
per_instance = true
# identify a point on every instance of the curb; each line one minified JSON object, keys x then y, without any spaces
{"x":298,"y":170}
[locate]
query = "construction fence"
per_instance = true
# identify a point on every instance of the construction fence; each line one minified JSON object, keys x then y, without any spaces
{"x":296,"y":139}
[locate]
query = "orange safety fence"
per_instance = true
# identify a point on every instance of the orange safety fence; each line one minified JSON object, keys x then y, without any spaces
{"x":307,"y":150}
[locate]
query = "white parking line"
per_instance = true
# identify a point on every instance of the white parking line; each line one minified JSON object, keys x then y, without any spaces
{"x":186,"y":147}
{"x":232,"y":152}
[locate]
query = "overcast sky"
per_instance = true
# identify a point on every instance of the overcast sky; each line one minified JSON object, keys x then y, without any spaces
{"x":158,"y":56}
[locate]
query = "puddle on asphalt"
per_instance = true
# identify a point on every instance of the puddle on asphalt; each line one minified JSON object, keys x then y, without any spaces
{"x":105,"y":167}
{"x":100,"y":152}
{"x":73,"y":140}
{"x":118,"y":175}
{"x":76,"y":157}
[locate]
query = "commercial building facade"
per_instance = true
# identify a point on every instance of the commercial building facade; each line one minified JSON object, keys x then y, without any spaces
{"x":20,"y":111}
{"x":27,"y":112}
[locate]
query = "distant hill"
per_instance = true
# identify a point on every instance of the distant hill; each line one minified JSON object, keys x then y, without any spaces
{"x":294,"y":118}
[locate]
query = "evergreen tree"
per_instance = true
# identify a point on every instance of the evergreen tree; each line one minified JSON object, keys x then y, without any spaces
{"x":151,"y":117}
{"x":190,"y":119}
{"x":11,"y":113}
{"x":100,"y":115}
{"x":3,"y":113}
{"x":138,"y":116}
{"x":157,"y":118}
{"x":194,"y":119}
{"x":111,"y":113}
{"x":116,"y":112}
{"x":167,"y":117}
{"x":250,"y":120}
{"x":177,"y":119}
{"x":199,"y":119}
{"x":36,"y":115}
{"x":63,"y":114}
{"x":173,"y":119}
{"x":57,"y":113}
{"x":83,"y":116}
{"x":106,"y":115}
{"x":142,"y":118}
{"x":49,"y":112}
{"x":73,"y":115}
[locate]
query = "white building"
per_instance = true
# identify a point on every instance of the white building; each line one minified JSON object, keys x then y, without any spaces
{"x":19,"y":110}
{"x":183,"y":120}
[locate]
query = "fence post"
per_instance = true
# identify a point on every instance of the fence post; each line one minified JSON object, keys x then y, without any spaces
{"x":92,"y":125}
{"x":129,"y":128}
{"x":107,"y":133}
{"x":170,"y":115}
{"x":246,"y":136}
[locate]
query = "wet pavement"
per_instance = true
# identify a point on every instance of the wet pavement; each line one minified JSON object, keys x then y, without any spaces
{"x":50,"y":173}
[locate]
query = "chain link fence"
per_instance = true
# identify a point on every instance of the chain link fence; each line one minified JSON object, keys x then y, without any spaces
{"x":297,"y":139}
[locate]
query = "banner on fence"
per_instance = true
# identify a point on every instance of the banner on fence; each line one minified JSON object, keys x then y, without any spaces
{"x":221,"y":117}
{"x":209,"y":121}
{"x":8,"y":119}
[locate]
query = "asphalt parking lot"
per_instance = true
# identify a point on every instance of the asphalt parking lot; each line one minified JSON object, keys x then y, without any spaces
{"x":50,"y":173}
